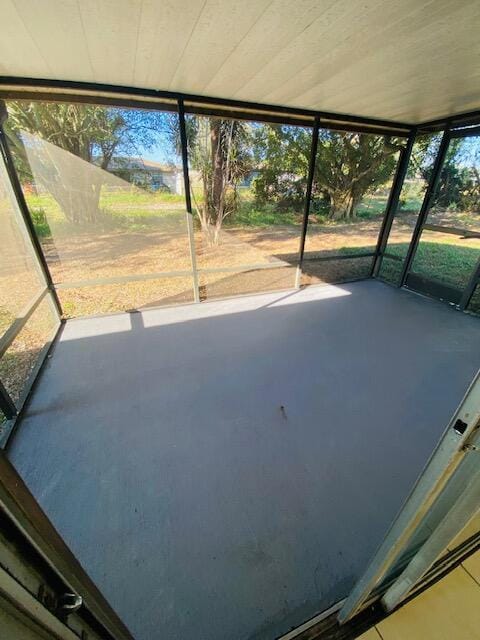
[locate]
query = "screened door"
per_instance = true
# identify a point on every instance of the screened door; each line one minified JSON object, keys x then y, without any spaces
{"x":438,"y":523}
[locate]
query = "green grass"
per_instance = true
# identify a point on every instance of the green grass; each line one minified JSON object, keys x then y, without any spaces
{"x":133,"y":211}
{"x":474,"y":305}
{"x":448,"y":262}
{"x":372,"y":207}
{"x":249,"y":215}
{"x":139,"y":210}
{"x":125,"y":198}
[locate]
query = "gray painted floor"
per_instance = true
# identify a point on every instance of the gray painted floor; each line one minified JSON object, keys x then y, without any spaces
{"x":157,"y":444}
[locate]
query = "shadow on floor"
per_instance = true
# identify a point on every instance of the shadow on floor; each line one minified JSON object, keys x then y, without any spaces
{"x":227,"y":470}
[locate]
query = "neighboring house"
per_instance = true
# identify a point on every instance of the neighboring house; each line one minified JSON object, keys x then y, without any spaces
{"x":148,"y":174}
{"x":249,"y":178}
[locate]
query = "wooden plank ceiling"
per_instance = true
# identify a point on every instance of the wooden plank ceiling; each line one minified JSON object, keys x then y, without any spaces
{"x":408,"y":60}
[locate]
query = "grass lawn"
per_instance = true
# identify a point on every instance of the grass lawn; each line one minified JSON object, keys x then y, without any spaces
{"x":448,"y":261}
{"x":141,"y":232}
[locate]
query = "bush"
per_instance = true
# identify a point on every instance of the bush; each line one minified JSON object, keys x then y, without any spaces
{"x":40,"y":222}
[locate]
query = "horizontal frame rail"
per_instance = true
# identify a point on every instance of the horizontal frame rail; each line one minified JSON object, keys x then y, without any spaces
{"x":454,"y":231}
{"x":467,"y":132}
{"x":241,"y":268}
{"x":194,"y":109}
{"x":433,"y":287}
{"x":459,"y":120}
{"x":11,"y":84}
{"x":158,"y":275}
{"x":392,"y":256}
{"x":339,"y":256}
{"x":40,"y":88}
{"x":249,"y":267}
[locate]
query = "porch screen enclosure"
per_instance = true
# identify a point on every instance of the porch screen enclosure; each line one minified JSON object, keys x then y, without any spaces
{"x":110,"y":205}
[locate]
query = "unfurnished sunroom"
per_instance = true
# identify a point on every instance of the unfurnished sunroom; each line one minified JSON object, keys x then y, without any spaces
{"x":234,"y":329}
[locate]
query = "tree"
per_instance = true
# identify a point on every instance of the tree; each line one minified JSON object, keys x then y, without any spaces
{"x":219,"y":150}
{"x":281,"y":155}
{"x":470,"y":194}
{"x":347,"y":166}
{"x":89,"y":132}
{"x":459,"y":183}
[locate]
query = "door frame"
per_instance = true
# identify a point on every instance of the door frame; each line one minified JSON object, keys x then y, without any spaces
{"x":40,"y":547}
{"x":460,"y":437}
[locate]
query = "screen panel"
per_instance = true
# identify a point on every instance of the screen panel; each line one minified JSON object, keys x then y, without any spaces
{"x":126,"y":296}
{"x":446,"y":257}
{"x":227,"y":284}
{"x":336,"y":271}
{"x":457,"y":200}
{"x":353,"y":177}
{"x":105,"y":189}
{"x":20,"y":277}
{"x":20,"y":359}
{"x":421,"y":163}
{"x":391,"y":270}
{"x":248,"y":182}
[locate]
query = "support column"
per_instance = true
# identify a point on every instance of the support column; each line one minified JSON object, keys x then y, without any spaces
{"x":426,"y":204}
{"x":470,"y":288}
{"x":308,"y":197}
{"x":6,"y":403}
{"x":392,"y":205}
{"x":188,"y":198}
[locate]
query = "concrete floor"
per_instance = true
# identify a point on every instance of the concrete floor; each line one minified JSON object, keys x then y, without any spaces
{"x":226,"y":470}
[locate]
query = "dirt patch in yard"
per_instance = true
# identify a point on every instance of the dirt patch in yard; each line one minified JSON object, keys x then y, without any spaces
{"x":118,"y":253}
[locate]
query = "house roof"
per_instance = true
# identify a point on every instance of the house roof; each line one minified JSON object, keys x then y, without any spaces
{"x":407,"y":61}
{"x":141,"y":163}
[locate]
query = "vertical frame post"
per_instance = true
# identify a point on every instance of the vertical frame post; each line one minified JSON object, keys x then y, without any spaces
{"x":188,"y":198}
{"x":308,"y":198}
{"x":6,"y":403}
{"x":470,"y":288}
{"x":426,"y":204}
{"x":393,"y":201}
{"x":25,"y":212}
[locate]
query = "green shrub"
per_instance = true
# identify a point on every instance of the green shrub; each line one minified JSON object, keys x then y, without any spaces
{"x":40,"y":222}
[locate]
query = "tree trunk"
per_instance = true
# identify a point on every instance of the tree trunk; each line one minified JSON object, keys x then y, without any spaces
{"x":355,"y":199}
{"x":339,"y":205}
{"x":214,"y":188}
{"x":217,"y":166}
{"x":344,"y":205}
